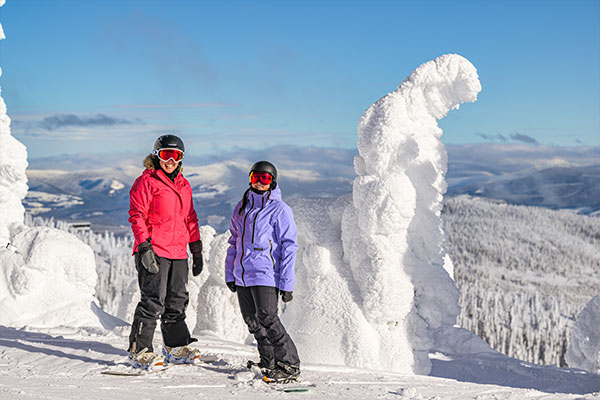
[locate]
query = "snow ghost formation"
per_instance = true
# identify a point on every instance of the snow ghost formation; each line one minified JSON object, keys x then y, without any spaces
{"x":13,"y":181}
{"x":47,"y":276}
{"x":371,"y":284}
{"x":584,"y":347}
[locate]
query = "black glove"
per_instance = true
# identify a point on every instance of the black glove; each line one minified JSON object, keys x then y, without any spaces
{"x":149,"y":257}
{"x":196,"y":250}
{"x":286,"y":296}
{"x":231,"y":286}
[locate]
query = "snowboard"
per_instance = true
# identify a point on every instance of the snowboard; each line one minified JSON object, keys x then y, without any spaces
{"x":132,"y":371}
{"x":295,"y":388}
{"x":290,"y":385}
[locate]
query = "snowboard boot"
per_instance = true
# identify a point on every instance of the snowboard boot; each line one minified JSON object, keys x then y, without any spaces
{"x":264,"y":366}
{"x":283,"y":373}
{"x":146,"y":360}
{"x":180,"y":354}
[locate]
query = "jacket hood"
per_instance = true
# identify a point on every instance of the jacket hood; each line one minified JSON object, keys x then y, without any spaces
{"x":150,"y":162}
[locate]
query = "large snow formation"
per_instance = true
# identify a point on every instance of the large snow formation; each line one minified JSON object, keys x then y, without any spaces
{"x":48,"y":280}
{"x":372,"y":285}
{"x":47,"y":276}
{"x":584,"y":346}
{"x":371,"y":288}
{"x":13,"y":181}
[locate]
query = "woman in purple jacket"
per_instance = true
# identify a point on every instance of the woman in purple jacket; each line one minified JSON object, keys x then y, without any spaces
{"x":260,"y":267}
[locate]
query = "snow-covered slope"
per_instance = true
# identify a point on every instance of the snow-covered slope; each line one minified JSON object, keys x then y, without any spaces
{"x":524,"y":273}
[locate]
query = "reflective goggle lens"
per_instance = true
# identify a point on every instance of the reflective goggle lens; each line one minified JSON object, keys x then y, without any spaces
{"x":262,"y":177}
{"x":166,"y":154}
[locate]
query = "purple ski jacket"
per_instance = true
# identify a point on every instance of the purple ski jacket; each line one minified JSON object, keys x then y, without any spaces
{"x":262,"y":246}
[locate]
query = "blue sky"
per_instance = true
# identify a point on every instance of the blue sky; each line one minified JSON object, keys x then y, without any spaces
{"x":92,"y":76}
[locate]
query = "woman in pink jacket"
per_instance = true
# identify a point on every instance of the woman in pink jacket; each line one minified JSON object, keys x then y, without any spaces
{"x":164,"y":222}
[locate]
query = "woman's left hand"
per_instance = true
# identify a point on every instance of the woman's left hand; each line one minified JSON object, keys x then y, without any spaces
{"x":196,"y":250}
{"x":286,"y":296}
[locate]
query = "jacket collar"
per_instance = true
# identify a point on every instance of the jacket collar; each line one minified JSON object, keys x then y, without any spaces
{"x":257,"y":199}
{"x":160,"y":175}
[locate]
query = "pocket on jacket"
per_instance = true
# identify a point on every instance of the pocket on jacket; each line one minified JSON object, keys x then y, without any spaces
{"x":258,"y":254}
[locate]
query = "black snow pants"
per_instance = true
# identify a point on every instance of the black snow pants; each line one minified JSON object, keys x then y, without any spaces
{"x":258,"y":305}
{"x":163,"y":295}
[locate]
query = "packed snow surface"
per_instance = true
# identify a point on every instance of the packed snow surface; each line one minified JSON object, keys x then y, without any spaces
{"x":66,"y":364}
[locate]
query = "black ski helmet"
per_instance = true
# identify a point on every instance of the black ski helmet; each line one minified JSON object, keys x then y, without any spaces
{"x":169,"y":141}
{"x":265,"y":166}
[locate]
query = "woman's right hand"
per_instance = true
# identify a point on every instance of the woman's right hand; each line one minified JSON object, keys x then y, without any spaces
{"x":231,"y":286}
{"x":149,"y":257}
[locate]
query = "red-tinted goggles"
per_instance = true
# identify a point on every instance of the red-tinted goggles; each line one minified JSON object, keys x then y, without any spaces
{"x":263,"y":177}
{"x":167,"y":154}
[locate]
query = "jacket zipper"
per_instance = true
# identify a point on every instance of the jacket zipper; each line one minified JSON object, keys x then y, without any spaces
{"x":256,"y":216}
{"x":243,"y":232}
{"x":271,"y":253}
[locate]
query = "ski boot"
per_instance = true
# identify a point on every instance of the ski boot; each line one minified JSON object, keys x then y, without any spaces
{"x":283,"y":373}
{"x":146,"y":360}
{"x":180,"y":354}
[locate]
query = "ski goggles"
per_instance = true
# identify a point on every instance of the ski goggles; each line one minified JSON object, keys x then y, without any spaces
{"x":168,"y":154}
{"x":263,"y":177}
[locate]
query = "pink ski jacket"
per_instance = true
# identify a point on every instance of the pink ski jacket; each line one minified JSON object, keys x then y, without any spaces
{"x":164,"y":211}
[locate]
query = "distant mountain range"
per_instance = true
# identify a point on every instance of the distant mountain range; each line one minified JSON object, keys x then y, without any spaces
{"x":576,"y":188}
{"x":524,"y":273}
{"x":90,"y":188}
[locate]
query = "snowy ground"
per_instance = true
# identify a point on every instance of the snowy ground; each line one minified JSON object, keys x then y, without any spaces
{"x":67,"y":364}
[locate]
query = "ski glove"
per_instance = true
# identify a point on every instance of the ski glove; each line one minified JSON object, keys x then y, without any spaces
{"x":231,"y":286}
{"x":286,"y":296}
{"x":149,"y":257}
{"x":196,"y":250}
